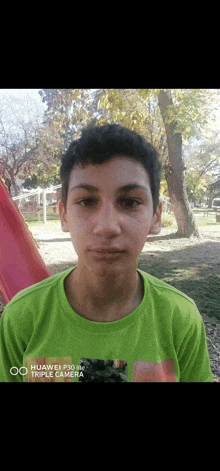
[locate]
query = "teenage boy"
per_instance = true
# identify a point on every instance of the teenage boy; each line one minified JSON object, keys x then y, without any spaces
{"x":106,"y":308}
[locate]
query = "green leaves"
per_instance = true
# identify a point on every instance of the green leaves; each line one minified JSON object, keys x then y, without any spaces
{"x":130,"y":108}
{"x":190,"y":108}
{"x":202,"y":161}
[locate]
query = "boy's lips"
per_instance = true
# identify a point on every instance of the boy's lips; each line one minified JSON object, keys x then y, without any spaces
{"x":102,"y":250}
{"x":106,"y":253}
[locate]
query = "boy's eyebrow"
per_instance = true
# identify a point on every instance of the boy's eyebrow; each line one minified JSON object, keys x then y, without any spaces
{"x":128,"y":187}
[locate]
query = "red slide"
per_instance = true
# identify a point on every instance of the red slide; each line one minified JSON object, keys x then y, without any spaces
{"x":20,"y":262}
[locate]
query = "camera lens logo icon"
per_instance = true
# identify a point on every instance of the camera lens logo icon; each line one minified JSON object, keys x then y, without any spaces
{"x":18,"y":371}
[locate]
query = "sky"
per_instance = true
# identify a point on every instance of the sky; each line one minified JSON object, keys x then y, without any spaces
{"x":27,"y":112}
{"x":21,"y":92}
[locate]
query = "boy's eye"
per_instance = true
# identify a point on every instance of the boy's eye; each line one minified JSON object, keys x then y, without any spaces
{"x":128,"y":203}
{"x":86,"y":202}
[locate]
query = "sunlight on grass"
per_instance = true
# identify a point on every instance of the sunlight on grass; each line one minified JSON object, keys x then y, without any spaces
{"x":206,"y":223}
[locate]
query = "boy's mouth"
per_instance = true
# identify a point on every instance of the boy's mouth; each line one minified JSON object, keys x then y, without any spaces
{"x":107,"y":250}
{"x":109,"y":253}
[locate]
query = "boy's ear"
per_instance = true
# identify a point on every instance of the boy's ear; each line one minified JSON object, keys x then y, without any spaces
{"x":64,"y":223}
{"x":156,"y":221}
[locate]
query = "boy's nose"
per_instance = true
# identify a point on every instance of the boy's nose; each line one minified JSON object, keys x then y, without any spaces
{"x":107,"y":221}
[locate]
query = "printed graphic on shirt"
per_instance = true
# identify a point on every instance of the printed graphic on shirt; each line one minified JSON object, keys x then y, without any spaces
{"x":103,"y":371}
{"x":146,"y":372}
{"x":50,"y":370}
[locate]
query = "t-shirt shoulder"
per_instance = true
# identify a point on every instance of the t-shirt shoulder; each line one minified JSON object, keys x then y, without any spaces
{"x":33,"y":289}
{"x":162,"y":286}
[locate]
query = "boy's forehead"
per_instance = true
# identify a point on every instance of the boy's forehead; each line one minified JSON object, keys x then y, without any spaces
{"x":117,"y":170}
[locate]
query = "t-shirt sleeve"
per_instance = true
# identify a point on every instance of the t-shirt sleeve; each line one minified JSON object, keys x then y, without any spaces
{"x":193,"y":356}
{"x":12,"y":346}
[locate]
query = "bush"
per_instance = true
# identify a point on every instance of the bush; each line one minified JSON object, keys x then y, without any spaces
{"x":168,"y":220}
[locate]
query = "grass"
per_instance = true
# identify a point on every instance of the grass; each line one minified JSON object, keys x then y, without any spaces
{"x":50,"y":217}
{"x":40,"y":223}
{"x":205,"y":223}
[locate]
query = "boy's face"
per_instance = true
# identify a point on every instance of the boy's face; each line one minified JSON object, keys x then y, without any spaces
{"x":109,"y":216}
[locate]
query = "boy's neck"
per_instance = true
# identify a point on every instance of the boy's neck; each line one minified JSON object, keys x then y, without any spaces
{"x":101,"y":299}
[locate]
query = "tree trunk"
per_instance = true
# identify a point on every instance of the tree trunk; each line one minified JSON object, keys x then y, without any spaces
{"x":174,"y":174}
{"x":14,"y":184}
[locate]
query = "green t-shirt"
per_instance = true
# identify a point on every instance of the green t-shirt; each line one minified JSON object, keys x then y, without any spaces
{"x":43,"y":339}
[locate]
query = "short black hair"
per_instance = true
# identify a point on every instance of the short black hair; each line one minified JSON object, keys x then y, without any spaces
{"x":97,"y":144}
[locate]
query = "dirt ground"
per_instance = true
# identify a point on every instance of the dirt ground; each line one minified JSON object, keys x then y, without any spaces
{"x":190,"y":265}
